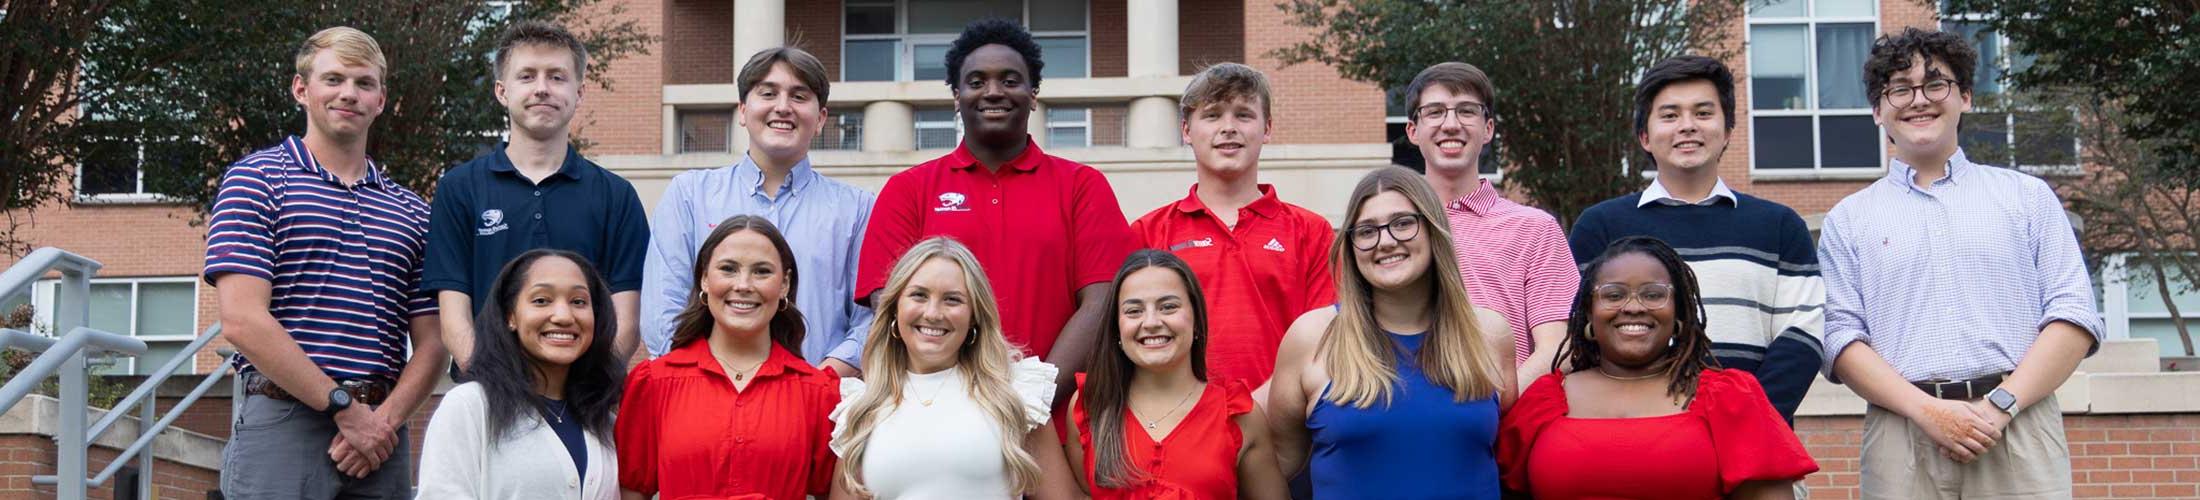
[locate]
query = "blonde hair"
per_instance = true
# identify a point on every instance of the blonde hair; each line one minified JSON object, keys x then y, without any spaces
{"x":352,"y":46}
{"x":1222,"y":82}
{"x":985,"y":362}
{"x":1356,"y":351}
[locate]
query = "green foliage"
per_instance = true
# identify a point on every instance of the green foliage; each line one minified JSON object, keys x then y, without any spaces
{"x":202,"y":83}
{"x":2142,"y":54}
{"x":39,"y":44}
{"x":1564,"y":70}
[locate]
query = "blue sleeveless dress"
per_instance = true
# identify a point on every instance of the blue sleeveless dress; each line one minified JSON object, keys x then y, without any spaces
{"x":1422,"y":445}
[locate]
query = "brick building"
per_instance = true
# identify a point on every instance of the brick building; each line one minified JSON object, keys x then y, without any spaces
{"x":1803,"y":137}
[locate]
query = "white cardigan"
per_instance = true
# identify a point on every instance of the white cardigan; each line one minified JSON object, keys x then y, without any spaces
{"x":529,"y":463}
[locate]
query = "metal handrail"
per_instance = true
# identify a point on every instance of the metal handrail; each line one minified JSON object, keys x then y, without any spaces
{"x":11,"y":338}
{"x":70,"y":346}
{"x":153,"y":381}
{"x":148,"y":428}
{"x":35,"y":266}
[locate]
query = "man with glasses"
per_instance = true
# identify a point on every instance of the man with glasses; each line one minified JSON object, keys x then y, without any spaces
{"x":1956,"y":299}
{"x":1753,"y":259}
{"x":1512,"y":257}
{"x":1260,"y":261}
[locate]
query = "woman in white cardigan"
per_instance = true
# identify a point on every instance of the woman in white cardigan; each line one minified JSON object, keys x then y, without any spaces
{"x":535,"y":422}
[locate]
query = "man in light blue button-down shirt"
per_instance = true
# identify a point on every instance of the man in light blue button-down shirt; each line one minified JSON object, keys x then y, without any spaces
{"x":1956,"y":298}
{"x":782,"y":107}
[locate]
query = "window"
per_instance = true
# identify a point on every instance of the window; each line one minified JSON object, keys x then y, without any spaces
{"x":2001,"y":130}
{"x":1806,"y":87}
{"x":2132,"y":295}
{"x":937,"y":128}
{"x":842,"y":132}
{"x":907,"y":40}
{"x":161,"y":311}
{"x":705,"y":130}
{"x":1068,"y":127}
{"x":1402,"y":150}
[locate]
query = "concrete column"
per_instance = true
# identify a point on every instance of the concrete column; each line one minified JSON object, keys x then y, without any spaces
{"x":889,"y":126}
{"x":757,"y":25}
{"x":1152,"y":124}
{"x":1038,"y":124}
{"x":672,"y":130}
{"x":1152,"y":49}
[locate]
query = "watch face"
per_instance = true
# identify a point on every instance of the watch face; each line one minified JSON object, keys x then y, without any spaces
{"x":2002,"y":399}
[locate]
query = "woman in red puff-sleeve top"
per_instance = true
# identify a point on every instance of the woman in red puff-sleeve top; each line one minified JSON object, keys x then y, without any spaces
{"x":1642,"y":412}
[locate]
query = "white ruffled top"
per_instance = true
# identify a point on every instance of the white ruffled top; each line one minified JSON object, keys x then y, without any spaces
{"x":950,"y":449}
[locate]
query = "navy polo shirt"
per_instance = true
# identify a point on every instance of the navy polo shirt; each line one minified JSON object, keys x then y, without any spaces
{"x":486,"y":213}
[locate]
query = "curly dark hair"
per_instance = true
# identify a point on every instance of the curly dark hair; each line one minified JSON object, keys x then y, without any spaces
{"x":506,"y":372}
{"x":990,"y":31}
{"x":1891,"y":56}
{"x":1691,"y":345}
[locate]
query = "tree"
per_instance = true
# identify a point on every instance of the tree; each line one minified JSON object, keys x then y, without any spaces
{"x":39,"y":45}
{"x":183,"y":85}
{"x":1565,"y":72}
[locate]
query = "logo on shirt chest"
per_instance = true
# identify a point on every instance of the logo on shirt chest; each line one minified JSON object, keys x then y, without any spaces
{"x":1198,"y":243}
{"x":492,"y":222}
{"x":1273,"y":245}
{"x":951,"y":202}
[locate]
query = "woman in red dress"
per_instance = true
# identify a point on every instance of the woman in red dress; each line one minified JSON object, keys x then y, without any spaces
{"x":1636,"y":407}
{"x":731,"y":410}
{"x":1149,"y":425}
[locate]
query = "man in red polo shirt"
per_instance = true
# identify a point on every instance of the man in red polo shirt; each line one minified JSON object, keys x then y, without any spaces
{"x":1261,"y":262}
{"x":1047,"y":230}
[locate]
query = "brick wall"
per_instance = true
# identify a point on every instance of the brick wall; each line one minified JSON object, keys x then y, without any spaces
{"x":1313,"y":104}
{"x":698,"y":41}
{"x":815,"y":27}
{"x":629,"y":119}
{"x":131,"y":240}
{"x":1110,"y":33}
{"x":1208,"y":32}
{"x":2112,"y":456}
{"x":26,"y":455}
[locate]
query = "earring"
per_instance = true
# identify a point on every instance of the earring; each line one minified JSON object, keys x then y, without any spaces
{"x":783,"y":304}
{"x":972,"y":339}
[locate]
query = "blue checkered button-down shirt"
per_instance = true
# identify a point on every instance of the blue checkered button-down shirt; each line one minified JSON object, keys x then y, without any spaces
{"x":1955,"y":280}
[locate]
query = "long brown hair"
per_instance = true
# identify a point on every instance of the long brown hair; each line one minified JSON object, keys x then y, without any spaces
{"x":1108,"y":383}
{"x":985,"y":360}
{"x":1356,"y":352}
{"x":695,"y":321}
{"x":1691,"y":349}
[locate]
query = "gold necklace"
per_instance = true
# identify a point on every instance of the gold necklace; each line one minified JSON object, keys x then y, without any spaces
{"x":1172,"y":411}
{"x":739,"y":375}
{"x":1609,"y":375}
{"x":936,"y":388}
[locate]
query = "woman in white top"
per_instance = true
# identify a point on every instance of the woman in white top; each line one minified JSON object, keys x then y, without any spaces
{"x":535,"y":423}
{"x":950,"y":412}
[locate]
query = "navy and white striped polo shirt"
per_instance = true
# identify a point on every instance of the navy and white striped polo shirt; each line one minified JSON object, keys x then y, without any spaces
{"x":344,"y":262}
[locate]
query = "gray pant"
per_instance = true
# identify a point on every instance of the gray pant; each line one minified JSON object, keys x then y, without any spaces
{"x":279,"y":450}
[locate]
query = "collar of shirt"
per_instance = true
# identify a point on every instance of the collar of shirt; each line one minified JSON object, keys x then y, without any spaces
{"x":1266,"y":206}
{"x":748,"y":174}
{"x":1026,"y":162}
{"x":1657,"y":194}
{"x":697,"y":354}
{"x":1902,"y":174}
{"x":1481,"y":200}
{"x":300,"y":155}
{"x":502,"y":163}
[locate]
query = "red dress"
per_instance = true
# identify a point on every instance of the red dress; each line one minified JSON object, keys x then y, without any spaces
{"x":684,"y":432}
{"x":1197,"y":460}
{"x":1728,"y":435}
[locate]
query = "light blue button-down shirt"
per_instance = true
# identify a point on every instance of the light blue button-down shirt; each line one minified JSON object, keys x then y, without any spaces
{"x":822,"y":220}
{"x":1955,"y":280}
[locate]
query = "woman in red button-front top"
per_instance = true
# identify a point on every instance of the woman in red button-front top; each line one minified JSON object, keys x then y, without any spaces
{"x":1149,"y":424}
{"x":731,"y":410}
{"x":1635,"y":406}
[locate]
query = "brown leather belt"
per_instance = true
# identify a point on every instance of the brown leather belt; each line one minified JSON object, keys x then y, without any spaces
{"x":1962,"y":390}
{"x":365,"y":392}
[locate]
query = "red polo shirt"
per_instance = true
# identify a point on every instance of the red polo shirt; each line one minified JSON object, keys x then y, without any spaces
{"x":684,"y":431}
{"x":1257,"y":277}
{"x":1042,"y":226}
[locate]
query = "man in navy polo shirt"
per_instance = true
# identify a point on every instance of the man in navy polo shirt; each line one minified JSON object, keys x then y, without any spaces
{"x":316,"y":258}
{"x":535,"y":192}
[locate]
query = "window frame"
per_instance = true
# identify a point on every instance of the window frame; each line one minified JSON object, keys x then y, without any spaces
{"x":2003,"y":57}
{"x":1810,"y":22}
{"x":43,"y":296}
{"x":906,"y":42}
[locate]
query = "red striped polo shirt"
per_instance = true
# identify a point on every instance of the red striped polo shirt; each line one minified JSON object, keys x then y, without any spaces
{"x":1515,"y":261}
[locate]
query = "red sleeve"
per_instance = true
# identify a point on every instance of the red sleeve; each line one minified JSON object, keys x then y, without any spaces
{"x":635,"y":432}
{"x":1238,"y":397}
{"x":1321,"y":281}
{"x":822,"y":459}
{"x":1752,"y":442}
{"x":894,"y":227}
{"x":1543,"y":403}
{"x":1144,"y":231}
{"x":1101,"y":238}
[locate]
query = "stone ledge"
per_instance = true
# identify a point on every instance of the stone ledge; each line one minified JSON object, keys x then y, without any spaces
{"x":2124,"y":377}
{"x":41,"y":416}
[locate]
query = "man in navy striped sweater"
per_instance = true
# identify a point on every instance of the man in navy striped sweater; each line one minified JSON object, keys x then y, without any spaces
{"x":1754,"y":258}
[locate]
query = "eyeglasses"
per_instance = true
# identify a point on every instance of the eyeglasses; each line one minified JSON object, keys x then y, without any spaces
{"x":1402,"y":228}
{"x":1613,"y":296}
{"x":1902,"y":96}
{"x":1433,"y":114}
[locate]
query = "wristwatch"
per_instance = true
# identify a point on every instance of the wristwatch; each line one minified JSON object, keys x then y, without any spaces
{"x":338,"y":401}
{"x":2003,"y":399}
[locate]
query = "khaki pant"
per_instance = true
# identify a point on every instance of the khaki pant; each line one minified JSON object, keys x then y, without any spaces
{"x":2032,"y":460}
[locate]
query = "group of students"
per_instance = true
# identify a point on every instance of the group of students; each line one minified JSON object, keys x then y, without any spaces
{"x":990,"y":326}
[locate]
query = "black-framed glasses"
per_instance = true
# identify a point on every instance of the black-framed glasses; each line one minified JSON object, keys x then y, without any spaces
{"x":1902,"y":96}
{"x":1613,"y":296}
{"x":1402,"y":228}
{"x":1430,"y":115}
